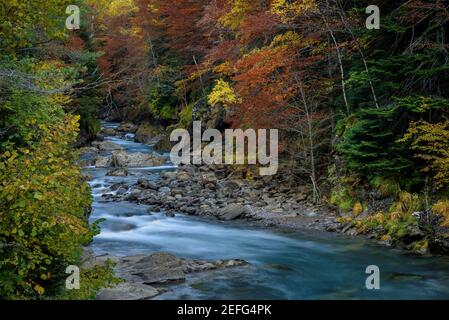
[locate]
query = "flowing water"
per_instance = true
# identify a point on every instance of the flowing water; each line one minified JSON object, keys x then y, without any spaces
{"x":300,"y":265}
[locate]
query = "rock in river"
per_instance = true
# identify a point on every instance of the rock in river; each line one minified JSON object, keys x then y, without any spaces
{"x":155,"y":268}
{"x":118,"y":172}
{"x":127,"y":127}
{"x":128,"y":291}
{"x":101,"y":162}
{"x":138,"y":159}
{"x":108,"y":132}
{"x":106,"y":145}
{"x":163,"y":268}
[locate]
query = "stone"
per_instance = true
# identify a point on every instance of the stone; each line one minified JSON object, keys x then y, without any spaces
{"x":300,"y":197}
{"x":183,"y":176}
{"x":157,"y":268}
{"x":101,"y":162}
{"x":147,"y":134}
{"x":209,"y":177}
{"x":169,"y":175}
{"x":128,"y":291}
{"x":134,"y":195}
{"x":233,"y":184}
{"x":232,"y":212}
{"x":127,"y":127}
{"x":106,"y":146}
{"x":85,"y":150}
{"x":138,"y":159}
{"x":108,"y":132}
{"x":121,"y":191}
{"x":164,"y":190}
{"x":119,"y":172}
{"x":163,"y":143}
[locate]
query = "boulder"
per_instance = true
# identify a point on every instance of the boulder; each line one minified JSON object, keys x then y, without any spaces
{"x":101,"y":162}
{"x":163,"y":143}
{"x":128,"y":291}
{"x":138,"y":159}
{"x":106,"y":146}
{"x":85,"y":150}
{"x":232,"y":212}
{"x":163,"y":268}
{"x":147,"y":134}
{"x":209,"y":177}
{"x":127,"y":127}
{"x":156,"y":268}
{"x":183,"y":176}
{"x":164,"y":190}
{"x":119,"y":172}
{"x":233,"y":184}
{"x":108,"y":132}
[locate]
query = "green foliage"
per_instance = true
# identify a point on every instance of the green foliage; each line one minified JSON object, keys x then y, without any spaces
{"x":44,"y":199}
{"x":342,"y":198}
{"x":387,"y":186}
{"x":43,"y":212}
{"x":407,"y":204}
{"x":20,"y":20}
{"x":369,"y":144}
{"x":185,"y":116}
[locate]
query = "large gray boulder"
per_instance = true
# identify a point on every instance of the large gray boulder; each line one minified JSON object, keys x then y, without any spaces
{"x":106,"y":146}
{"x":108,"y":132}
{"x":232,"y":212}
{"x":138,"y":159}
{"x":101,"y":162}
{"x":156,"y":268}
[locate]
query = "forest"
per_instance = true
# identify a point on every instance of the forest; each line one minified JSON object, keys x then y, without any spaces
{"x":362,"y":113}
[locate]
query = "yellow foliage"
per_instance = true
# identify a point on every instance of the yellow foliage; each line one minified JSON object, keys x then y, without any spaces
{"x":39,"y":289}
{"x":430,"y":141}
{"x":223,"y":93}
{"x":234,"y":18}
{"x":442,"y":208}
{"x":394,"y":216}
{"x":344,"y":219}
{"x":406,"y":205}
{"x":289,"y":10}
{"x":224,"y":68}
{"x":288,"y":38}
{"x":357,"y":209}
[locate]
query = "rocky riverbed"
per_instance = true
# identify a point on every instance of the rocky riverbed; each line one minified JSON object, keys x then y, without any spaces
{"x":216,"y":191}
{"x":146,"y":276}
{"x":134,"y":187}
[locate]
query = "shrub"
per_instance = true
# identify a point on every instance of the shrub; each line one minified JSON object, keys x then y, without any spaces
{"x":442,"y":208}
{"x":44,"y":202}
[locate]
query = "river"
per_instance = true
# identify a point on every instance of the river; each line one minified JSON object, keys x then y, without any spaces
{"x":283,"y":265}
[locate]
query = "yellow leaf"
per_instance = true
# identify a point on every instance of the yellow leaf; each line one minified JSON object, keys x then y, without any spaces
{"x":40,"y":290}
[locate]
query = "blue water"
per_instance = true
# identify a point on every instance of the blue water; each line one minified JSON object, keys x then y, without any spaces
{"x":300,"y":265}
